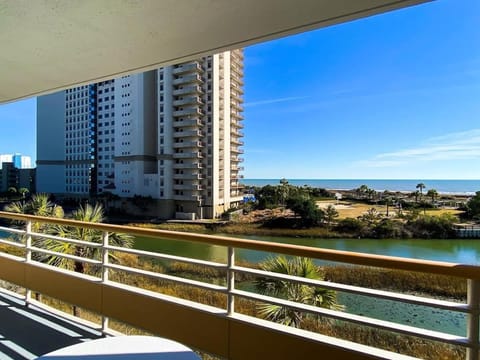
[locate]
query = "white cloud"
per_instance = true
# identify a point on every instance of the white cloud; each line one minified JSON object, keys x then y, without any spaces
{"x":273,"y":101}
{"x":455,"y":146}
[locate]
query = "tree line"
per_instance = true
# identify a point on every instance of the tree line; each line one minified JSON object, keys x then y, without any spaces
{"x":302,"y":201}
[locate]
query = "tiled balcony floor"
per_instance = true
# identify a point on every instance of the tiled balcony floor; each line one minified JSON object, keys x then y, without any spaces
{"x":28,"y":332}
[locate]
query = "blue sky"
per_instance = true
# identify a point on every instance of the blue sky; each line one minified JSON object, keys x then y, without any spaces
{"x":391,"y":96}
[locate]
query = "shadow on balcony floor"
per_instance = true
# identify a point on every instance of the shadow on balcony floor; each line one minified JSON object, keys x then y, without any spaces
{"x":28,"y":332}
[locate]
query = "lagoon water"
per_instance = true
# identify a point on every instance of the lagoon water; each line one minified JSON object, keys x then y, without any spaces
{"x":466,"y":251}
{"x":465,"y":187}
{"x":452,"y":250}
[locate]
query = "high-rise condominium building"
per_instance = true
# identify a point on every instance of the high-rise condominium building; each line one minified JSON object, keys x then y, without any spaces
{"x":173,"y":134}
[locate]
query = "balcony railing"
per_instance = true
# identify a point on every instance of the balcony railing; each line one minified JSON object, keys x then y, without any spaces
{"x":191,"y":111}
{"x":187,"y":79}
{"x":187,"y":133}
{"x":188,"y":144}
{"x":188,"y":155}
{"x":188,"y":123}
{"x":188,"y":100}
{"x":188,"y":165}
{"x":225,"y":332}
{"x":184,"y":68}
{"x":186,"y":90}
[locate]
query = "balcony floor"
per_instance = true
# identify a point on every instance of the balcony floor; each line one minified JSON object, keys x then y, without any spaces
{"x":28,"y":332}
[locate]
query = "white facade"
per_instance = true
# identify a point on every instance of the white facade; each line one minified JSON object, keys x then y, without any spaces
{"x":19,"y":161}
{"x":25,"y":162}
{"x":172,"y":134}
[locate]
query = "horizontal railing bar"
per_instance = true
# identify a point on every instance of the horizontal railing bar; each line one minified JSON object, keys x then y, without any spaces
{"x":66,"y":256}
{"x":12,"y":243}
{"x":67,"y":240}
{"x":167,"y":257}
{"x":382,"y":294}
{"x":175,"y":279}
{"x":435,"y":267}
{"x":362,"y":320}
{"x":12,"y":230}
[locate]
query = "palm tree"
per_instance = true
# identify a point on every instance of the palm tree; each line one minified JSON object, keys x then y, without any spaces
{"x":388,"y":202}
{"x":38,"y":205}
{"x":330,"y":214}
{"x":362,"y":190}
{"x":371,"y":194}
{"x":23,"y":192}
{"x":420,"y":186}
{"x":284,"y":190}
{"x":87,"y":213}
{"x":41,"y":206}
{"x":298,"y":266}
{"x":415,"y":194}
{"x":433,"y":194}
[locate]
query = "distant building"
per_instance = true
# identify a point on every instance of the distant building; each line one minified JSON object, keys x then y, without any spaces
{"x":19,"y":161}
{"x":22,"y":162}
{"x":8,"y":176}
{"x":11,"y":176}
{"x":5,"y":158}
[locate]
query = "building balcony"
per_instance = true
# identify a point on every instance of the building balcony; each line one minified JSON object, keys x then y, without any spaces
{"x":187,"y":133}
{"x":188,"y":144}
{"x":188,"y":187}
{"x":237,"y":168}
{"x":238,"y":133}
{"x":236,"y":123}
{"x":113,"y":292}
{"x":189,"y":165}
{"x":236,"y":87}
{"x":189,"y":176}
{"x":192,"y":111}
{"x":188,"y":123}
{"x":237,"y":60}
{"x":187,"y":79}
{"x":194,"y":198}
{"x":236,"y":70}
{"x":187,"y":90}
{"x":236,"y":150}
{"x":236,"y":141}
{"x":188,"y":100}
{"x":188,"y":155}
{"x":236,"y":106}
{"x":186,"y":68}
{"x":237,"y":116}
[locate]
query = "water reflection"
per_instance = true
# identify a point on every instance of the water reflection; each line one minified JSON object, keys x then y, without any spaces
{"x":451,"y":250}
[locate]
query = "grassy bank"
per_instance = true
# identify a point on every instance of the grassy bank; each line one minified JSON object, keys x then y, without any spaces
{"x":247,"y":229}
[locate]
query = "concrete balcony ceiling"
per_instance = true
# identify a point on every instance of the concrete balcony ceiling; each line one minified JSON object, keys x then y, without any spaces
{"x":45,"y":41}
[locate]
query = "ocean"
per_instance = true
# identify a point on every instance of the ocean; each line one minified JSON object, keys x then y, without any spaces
{"x":454,"y":187}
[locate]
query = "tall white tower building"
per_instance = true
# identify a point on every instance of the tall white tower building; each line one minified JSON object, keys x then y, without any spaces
{"x":173,"y":134}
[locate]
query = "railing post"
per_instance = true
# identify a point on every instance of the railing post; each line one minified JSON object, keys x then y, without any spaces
{"x":473,"y":330}
{"x":104,"y":272}
{"x":230,"y":281}
{"x":28,"y":257}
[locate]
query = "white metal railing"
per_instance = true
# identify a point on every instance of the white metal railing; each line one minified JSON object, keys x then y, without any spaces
{"x":469,"y":272}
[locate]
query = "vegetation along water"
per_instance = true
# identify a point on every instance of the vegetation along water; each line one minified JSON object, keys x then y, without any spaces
{"x":453,"y":250}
